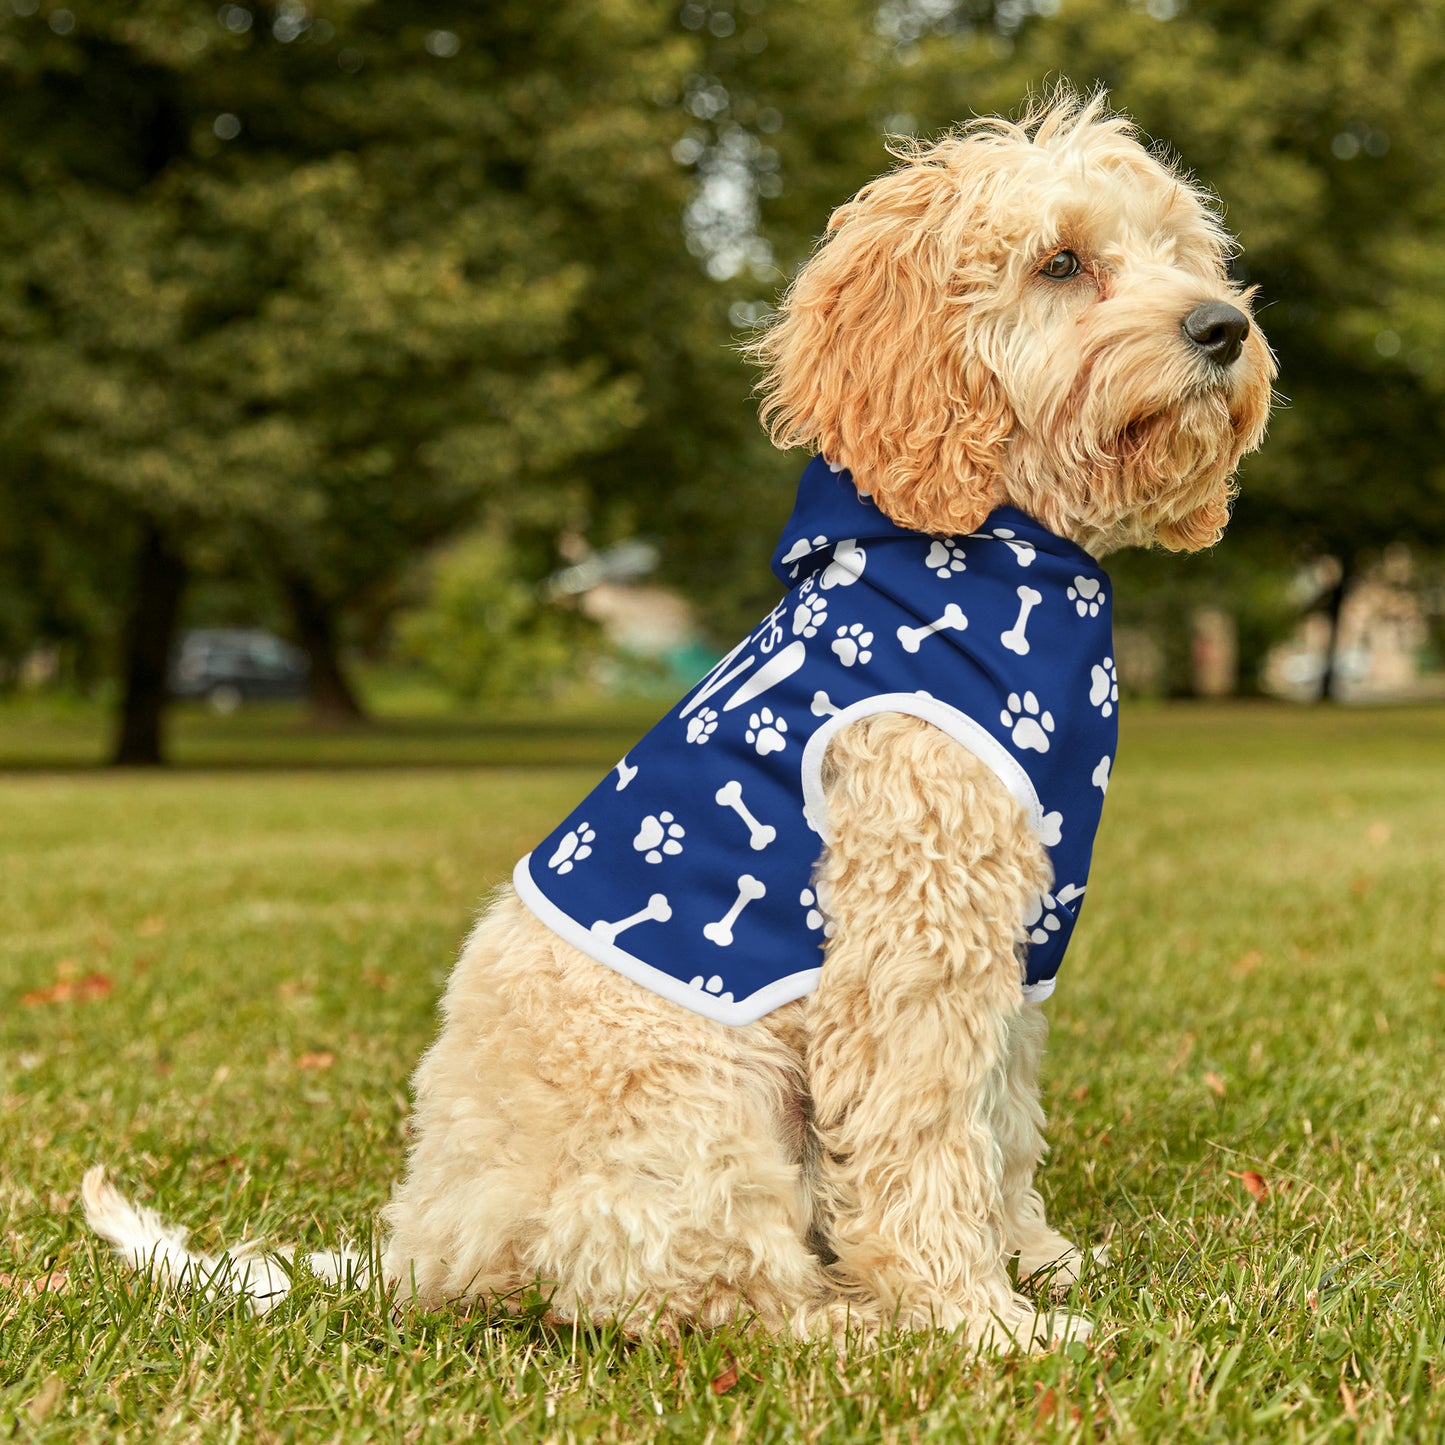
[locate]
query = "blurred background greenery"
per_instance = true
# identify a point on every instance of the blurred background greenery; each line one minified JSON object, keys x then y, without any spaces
{"x":407,"y":332}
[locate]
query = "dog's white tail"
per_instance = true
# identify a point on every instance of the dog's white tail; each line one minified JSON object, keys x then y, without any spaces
{"x":147,"y":1243}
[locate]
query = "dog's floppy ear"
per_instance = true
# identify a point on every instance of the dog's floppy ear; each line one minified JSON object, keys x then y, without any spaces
{"x":871,"y":360}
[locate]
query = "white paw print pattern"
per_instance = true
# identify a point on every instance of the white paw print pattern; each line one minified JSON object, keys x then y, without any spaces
{"x":815,"y":918}
{"x":853,"y":644}
{"x":946,"y":558}
{"x":1100,"y":778}
{"x":713,"y":986}
{"x":1087,"y":595}
{"x":1030,"y":726}
{"x":800,"y":549}
{"x":849,"y":560}
{"x":1042,"y":919}
{"x":765,"y":732}
{"x":1104,"y":686}
{"x":659,"y":834}
{"x":576,"y":845}
{"x":702,"y":725}
{"x":809,"y":615}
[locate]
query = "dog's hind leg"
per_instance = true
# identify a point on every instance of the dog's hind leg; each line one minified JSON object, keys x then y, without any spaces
{"x":929,"y":872}
{"x":578,"y":1135}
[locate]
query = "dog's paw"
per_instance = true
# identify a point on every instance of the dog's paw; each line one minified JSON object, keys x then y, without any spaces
{"x":1023,"y":1326}
{"x":1058,"y":1268}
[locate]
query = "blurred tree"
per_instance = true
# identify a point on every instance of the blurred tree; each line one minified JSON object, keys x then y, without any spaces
{"x":307,"y":280}
{"x":481,"y":632}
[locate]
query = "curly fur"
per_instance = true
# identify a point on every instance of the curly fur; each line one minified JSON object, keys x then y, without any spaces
{"x":865,"y":1156}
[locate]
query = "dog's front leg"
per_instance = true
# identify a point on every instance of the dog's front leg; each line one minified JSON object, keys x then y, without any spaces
{"x":930,"y":869}
{"x":1042,"y":1251}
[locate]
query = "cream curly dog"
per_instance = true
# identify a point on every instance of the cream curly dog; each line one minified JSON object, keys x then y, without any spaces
{"x":1035,"y":315}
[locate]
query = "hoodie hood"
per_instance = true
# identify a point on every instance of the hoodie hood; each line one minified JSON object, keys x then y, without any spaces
{"x":831,"y":519}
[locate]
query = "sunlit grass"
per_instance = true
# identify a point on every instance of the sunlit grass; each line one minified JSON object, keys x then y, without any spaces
{"x":1258,"y":985}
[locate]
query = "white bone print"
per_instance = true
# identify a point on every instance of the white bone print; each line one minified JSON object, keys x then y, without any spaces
{"x":658,"y":910}
{"x":721,"y":932}
{"x":823,"y":705}
{"x":1015,"y":638}
{"x":730,"y":795}
{"x":1023,"y":551}
{"x":952,"y":620}
{"x":625,"y":774}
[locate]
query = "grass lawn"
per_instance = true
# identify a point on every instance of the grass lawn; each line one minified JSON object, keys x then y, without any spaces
{"x":216,"y":980}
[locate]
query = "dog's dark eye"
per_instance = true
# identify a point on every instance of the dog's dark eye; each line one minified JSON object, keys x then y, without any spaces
{"x":1061,"y":266}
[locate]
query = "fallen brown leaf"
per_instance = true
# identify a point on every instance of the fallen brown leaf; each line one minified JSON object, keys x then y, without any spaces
{"x":1254,"y":1182}
{"x":1046,"y":1407}
{"x":46,"y":1398}
{"x":1440,"y":980}
{"x":1214,"y":1083}
{"x":1247,"y":964}
{"x":81,"y":990}
{"x":724,"y":1382}
{"x":321,"y":1059}
{"x":56,"y":1282}
{"x":1080,"y":1094}
{"x":1181,"y":1054}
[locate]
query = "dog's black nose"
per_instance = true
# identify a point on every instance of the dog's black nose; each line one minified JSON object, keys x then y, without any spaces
{"x":1217,"y":330}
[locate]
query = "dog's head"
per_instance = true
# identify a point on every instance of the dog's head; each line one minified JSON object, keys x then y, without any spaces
{"x":1035,"y":313}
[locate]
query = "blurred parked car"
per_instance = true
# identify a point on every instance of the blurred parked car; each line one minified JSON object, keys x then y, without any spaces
{"x":230,"y":665}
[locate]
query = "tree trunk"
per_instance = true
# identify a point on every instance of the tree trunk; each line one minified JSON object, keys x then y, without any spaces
{"x":333,"y":699}
{"x":1329,"y":675}
{"x":150,"y":630}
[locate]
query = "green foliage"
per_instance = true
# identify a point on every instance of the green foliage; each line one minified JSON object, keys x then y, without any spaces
{"x":484,"y":633}
{"x":312,"y":290}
